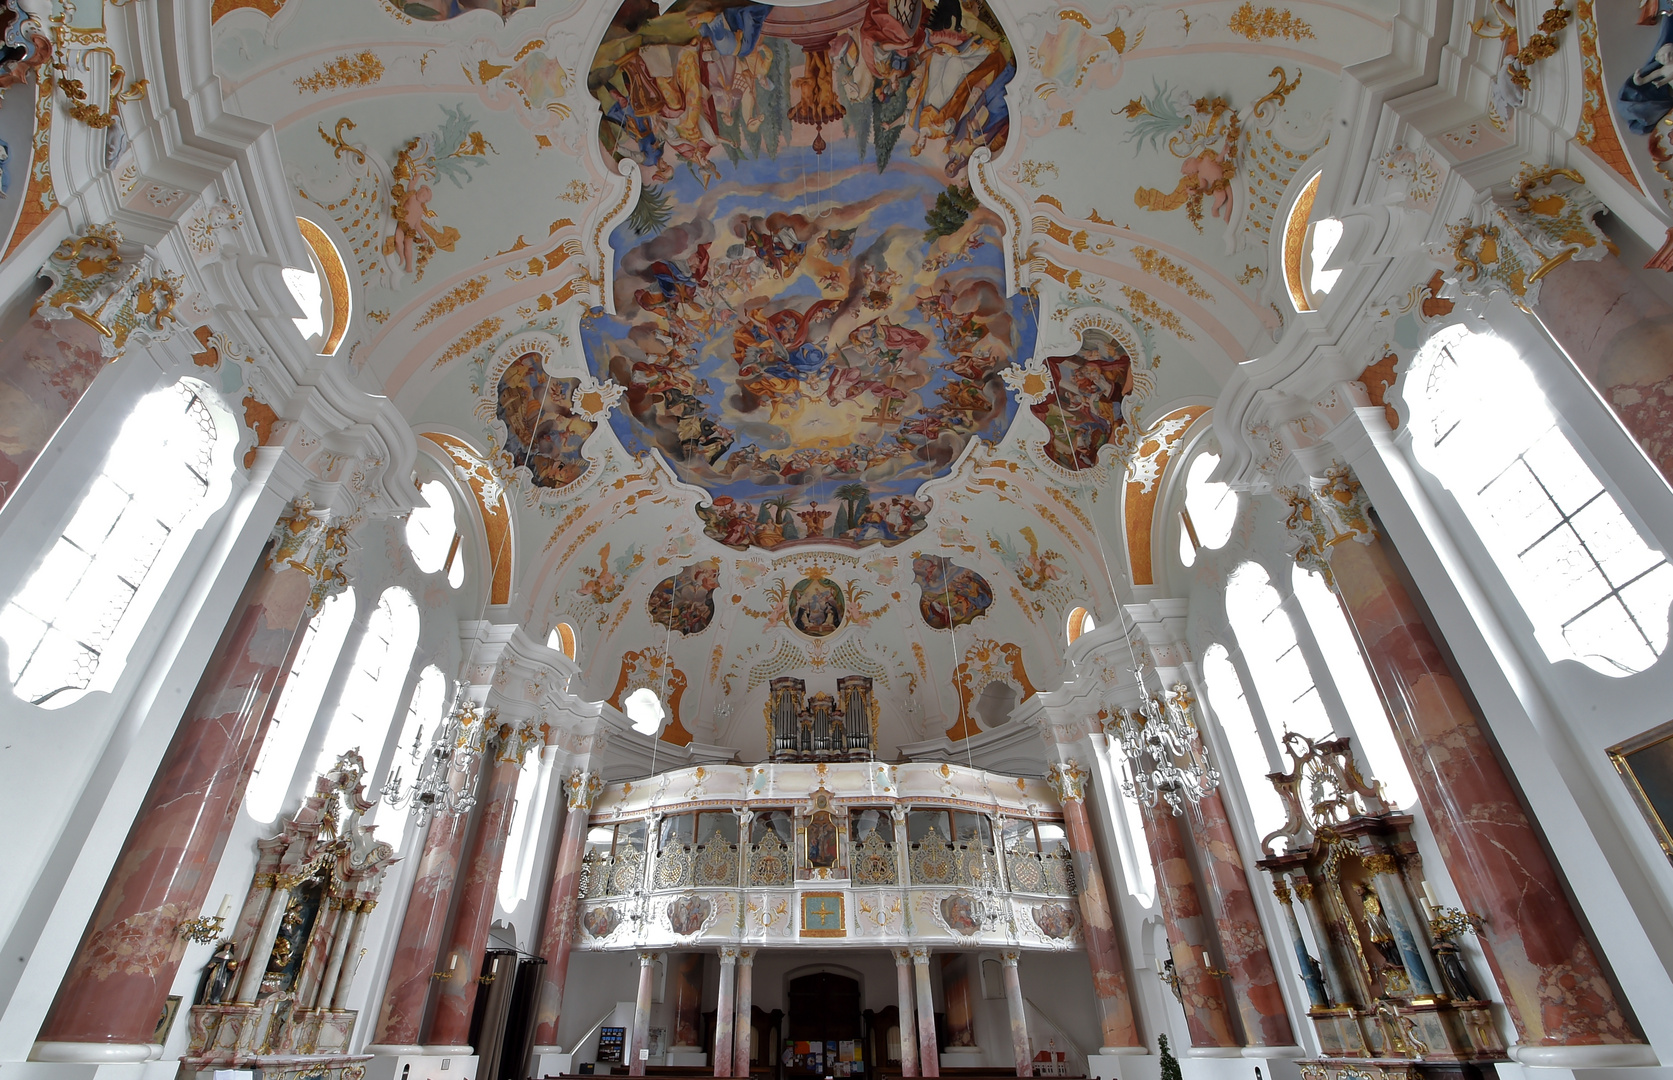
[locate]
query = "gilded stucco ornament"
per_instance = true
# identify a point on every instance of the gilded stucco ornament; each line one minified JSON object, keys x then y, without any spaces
{"x":516,"y":740}
{"x":1344,"y":506}
{"x":1068,"y":780}
{"x":92,"y":281}
{"x":583,"y":788}
{"x":1305,"y":527}
{"x":1547,"y":222}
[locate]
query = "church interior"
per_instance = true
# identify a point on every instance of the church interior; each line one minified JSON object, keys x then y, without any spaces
{"x":844,"y":539}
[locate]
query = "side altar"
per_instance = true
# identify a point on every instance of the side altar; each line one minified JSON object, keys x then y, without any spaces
{"x":272,"y":999}
{"x":1390,"y":994}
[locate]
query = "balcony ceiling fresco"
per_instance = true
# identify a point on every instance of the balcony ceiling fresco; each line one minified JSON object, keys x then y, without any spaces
{"x":806,"y":339}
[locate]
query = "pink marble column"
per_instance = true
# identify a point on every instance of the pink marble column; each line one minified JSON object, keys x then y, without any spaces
{"x":641,"y":1016}
{"x":413,"y":968}
{"x":725,"y":1011}
{"x":562,"y":917}
{"x":955,"y":988}
{"x":456,"y":1000}
{"x":746,"y":1003}
{"x":688,"y":1002}
{"x":1254,"y":982}
{"x":45,"y":368}
{"x":1202,"y":994}
{"x":1109,"y":979}
{"x":1619,"y":334}
{"x":1019,"y":1016}
{"x":1553,"y":984}
{"x":929,"y":1052}
{"x":129,"y":954}
{"x":908,"y":1030}
{"x":321,"y":943}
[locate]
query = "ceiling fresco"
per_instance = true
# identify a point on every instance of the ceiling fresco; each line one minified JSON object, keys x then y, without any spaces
{"x":805,"y":340}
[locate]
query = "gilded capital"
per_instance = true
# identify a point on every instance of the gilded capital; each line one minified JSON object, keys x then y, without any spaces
{"x":1068,"y":780}
{"x":1344,"y":506}
{"x":1381,"y":864}
{"x":1303,"y":888}
{"x":117,"y":296}
{"x":516,"y":740}
{"x":1548,"y":221}
{"x":1307,"y":530}
{"x":304,"y":539}
{"x":583,"y":789}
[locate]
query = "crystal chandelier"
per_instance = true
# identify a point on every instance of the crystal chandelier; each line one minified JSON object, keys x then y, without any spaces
{"x":455,"y":751}
{"x":1164,"y":751}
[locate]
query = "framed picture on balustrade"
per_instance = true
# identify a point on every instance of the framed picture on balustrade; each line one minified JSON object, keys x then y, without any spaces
{"x":1645,"y":762}
{"x":822,"y":915}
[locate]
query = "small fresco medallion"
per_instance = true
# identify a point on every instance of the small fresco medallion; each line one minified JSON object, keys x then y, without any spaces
{"x":687,"y":914}
{"x":685,"y":601}
{"x":600,"y":922}
{"x":952,"y":595}
{"x":961,"y":914}
{"x":1056,"y":921}
{"x":816,"y":606}
{"x":542,"y":430}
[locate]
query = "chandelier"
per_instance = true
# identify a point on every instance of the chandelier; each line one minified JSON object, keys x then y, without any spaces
{"x":455,"y":752}
{"x":1164,"y":751}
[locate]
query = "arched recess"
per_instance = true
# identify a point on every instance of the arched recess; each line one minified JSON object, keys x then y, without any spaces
{"x":1158,"y":446}
{"x":651,"y":669}
{"x":495,"y":516}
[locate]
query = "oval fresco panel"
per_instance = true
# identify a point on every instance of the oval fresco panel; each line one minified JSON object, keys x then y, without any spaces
{"x":952,"y":595}
{"x":811,"y":302}
{"x":1084,"y":410}
{"x":685,"y":601}
{"x":542,"y":430}
{"x":816,"y":606}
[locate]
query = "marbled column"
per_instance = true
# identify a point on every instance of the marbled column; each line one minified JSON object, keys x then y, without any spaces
{"x":413,"y":968}
{"x":746,"y":1002}
{"x":451,"y":1025}
{"x":929,"y":1053}
{"x":1311,"y":976}
{"x":1203,"y":995}
{"x":129,"y":954}
{"x":641,"y":1016}
{"x":1330,"y":950}
{"x":955,"y":988}
{"x":1254,"y":982}
{"x":1109,"y":978}
{"x":725,"y":1011}
{"x":1553,"y":984}
{"x":261,"y":948}
{"x":1019,"y":1016}
{"x":351,"y":957}
{"x":1619,"y":334}
{"x":908,"y":1030}
{"x":346,"y":931}
{"x":45,"y":368}
{"x":1391,"y":893}
{"x":321,"y":942}
{"x":687,"y":985}
{"x":562,"y":917}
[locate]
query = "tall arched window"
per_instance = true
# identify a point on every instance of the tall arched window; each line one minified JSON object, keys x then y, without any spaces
{"x":1283,"y":680}
{"x":1210,"y":510}
{"x":424,"y":714}
{"x":1594,"y":589}
{"x":67,"y":626}
{"x":433,"y":536}
{"x":1225,"y":695}
{"x":527,"y":817}
{"x":367,"y":707}
{"x":298,"y":706}
{"x":1375,"y":747}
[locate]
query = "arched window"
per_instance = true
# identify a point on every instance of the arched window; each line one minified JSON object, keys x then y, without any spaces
{"x":367,"y":707}
{"x":1374,"y":744}
{"x":433,"y":536}
{"x":62,"y":627}
{"x":298,"y":707}
{"x":1080,"y":621}
{"x":1594,"y":589}
{"x":562,"y":638}
{"x":1225,"y":695}
{"x":527,"y":816}
{"x":424,"y":715}
{"x":1283,"y":680}
{"x":1210,"y":510}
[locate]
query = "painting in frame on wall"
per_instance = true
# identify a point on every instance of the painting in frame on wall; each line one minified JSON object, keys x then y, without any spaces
{"x":1645,"y":762}
{"x":822,"y":915}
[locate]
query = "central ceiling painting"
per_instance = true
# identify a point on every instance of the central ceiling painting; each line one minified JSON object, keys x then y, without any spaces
{"x":811,"y":317}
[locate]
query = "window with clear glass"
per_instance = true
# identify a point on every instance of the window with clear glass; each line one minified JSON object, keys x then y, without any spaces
{"x":299,"y":702}
{"x":1237,"y":723}
{"x":562,"y":638}
{"x":527,"y":814}
{"x":433,"y":536}
{"x":1283,"y":681}
{"x":418,"y":730}
{"x":1593,"y":586}
{"x":367,"y":707}
{"x":1375,"y":747}
{"x":64,"y":620}
{"x":1210,"y":510}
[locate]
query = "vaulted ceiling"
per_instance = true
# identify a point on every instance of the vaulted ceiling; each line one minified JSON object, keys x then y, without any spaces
{"x":778,"y":372}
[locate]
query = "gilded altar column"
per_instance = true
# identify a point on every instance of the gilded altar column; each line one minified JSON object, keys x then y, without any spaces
{"x":1254,"y":981}
{"x":929,"y":1052}
{"x":637,"y":1048}
{"x":725,"y":1008}
{"x":451,"y":1025}
{"x":1553,"y":984}
{"x":1311,"y":975}
{"x":99,"y":298}
{"x":746,"y":1002}
{"x":106,"y":1008}
{"x":1019,"y":1016}
{"x":1109,"y":980}
{"x":413,"y":967}
{"x":1390,"y":895}
{"x":908,"y":1029}
{"x":1330,"y":948}
{"x":562,"y":914}
{"x":1200,"y":991}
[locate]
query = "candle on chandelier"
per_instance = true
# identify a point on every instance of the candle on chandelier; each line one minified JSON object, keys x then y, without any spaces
{"x":1206,"y":962}
{"x":1429,"y":894}
{"x":226,"y":902}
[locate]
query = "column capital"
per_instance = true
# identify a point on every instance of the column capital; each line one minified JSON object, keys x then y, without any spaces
{"x":746,"y":957}
{"x":1380,"y":863}
{"x":118,"y":295}
{"x":1346,"y":509}
{"x":1546,"y":221}
{"x":583,"y":788}
{"x":306,"y":539}
{"x":1068,"y":780}
{"x":516,"y":740}
{"x":902,"y":957}
{"x":1010,"y":957}
{"x":1282,"y":892}
{"x":728,"y":954}
{"x":920,"y":954}
{"x":1303,"y":887}
{"x":648,"y":957}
